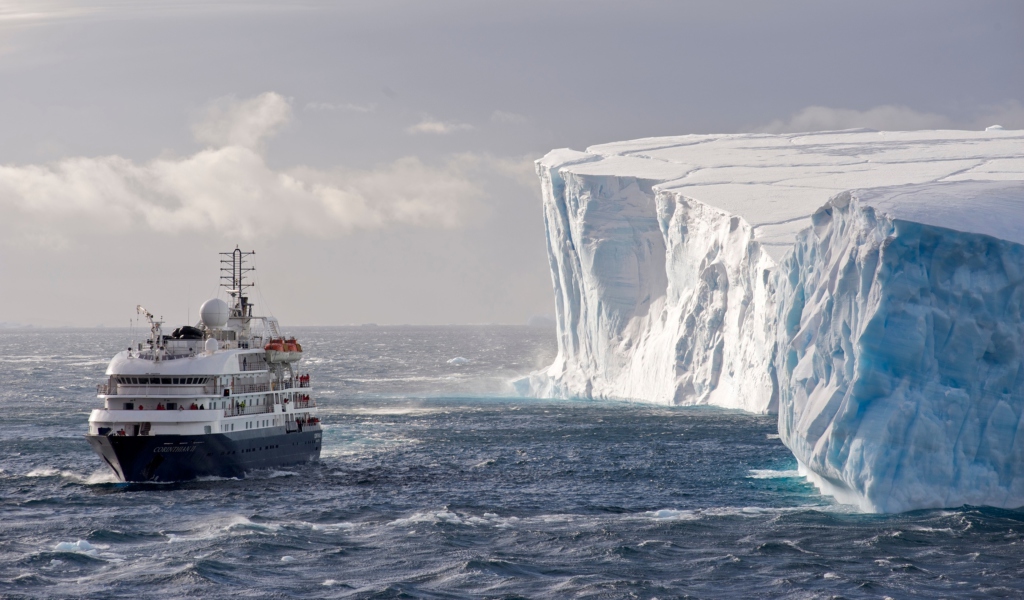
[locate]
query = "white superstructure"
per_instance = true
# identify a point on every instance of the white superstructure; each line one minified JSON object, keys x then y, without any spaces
{"x":232,"y":372}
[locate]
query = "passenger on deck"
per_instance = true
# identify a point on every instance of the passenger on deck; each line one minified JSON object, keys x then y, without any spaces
{"x":160,"y":406}
{"x":194,"y":406}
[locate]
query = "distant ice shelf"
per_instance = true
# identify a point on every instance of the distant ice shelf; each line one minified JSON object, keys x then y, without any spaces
{"x":703,"y":270}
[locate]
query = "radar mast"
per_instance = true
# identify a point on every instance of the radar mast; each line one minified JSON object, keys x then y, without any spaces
{"x":233,"y":270}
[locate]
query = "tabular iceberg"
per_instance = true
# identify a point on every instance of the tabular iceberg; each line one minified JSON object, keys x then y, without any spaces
{"x":901,"y":344}
{"x":665,"y":256}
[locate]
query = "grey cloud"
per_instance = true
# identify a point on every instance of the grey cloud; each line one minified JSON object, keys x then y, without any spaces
{"x":883,"y":118}
{"x":1009,"y":114}
{"x":433,"y":126}
{"x":347,"y":106}
{"x":502,"y":116}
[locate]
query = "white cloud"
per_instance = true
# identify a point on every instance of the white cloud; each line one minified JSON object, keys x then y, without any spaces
{"x":883,"y":118}
{"x":229,"y":189}
{"x":349,"y":107}
{"x":247,"y":123}
{"x":429,"y":125}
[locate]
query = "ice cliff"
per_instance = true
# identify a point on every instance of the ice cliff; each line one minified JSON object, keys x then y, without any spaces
{"x":901,"y":346}
{"x":702,"y":270}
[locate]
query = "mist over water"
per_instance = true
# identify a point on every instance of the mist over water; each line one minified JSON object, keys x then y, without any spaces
{"x":434,"y":482}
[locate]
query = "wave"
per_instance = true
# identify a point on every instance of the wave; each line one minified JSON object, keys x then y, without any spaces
{"x":100,"y":477}
{"x":773,"y":474}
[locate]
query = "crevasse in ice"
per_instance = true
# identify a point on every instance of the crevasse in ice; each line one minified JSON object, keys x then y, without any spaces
{"x":665,"y":256}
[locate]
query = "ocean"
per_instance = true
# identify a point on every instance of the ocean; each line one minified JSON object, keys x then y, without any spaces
{"x":437,"y":482}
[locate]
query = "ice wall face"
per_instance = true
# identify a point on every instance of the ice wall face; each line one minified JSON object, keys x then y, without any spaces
{"x":607,"y":258}
{"x":901,"y":347}
{"x":663,"y":251}
{"x":652,"y":290}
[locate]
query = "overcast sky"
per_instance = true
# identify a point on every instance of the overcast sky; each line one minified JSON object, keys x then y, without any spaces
{"x":377,"y":155}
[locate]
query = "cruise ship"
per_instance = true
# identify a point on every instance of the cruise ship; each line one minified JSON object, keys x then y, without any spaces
{"x":216,"y":399}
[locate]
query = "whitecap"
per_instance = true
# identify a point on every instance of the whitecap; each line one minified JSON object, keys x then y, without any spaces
{"x":772,"y":474}
{"x":672,"y":514}
{"x":98,"y":477}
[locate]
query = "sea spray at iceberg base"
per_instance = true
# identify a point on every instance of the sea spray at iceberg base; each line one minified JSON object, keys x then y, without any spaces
{"x":665,"y":256}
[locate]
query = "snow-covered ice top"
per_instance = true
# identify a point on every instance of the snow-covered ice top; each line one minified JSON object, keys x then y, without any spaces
{"x":773,"y":182}
{"x":994,"y":208}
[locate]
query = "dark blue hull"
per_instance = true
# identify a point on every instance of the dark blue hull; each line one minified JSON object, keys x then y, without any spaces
{"x":184,"y":457}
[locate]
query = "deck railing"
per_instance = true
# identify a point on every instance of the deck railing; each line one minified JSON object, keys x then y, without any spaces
{"x":249,"y":388}
{"x":248,"y":410}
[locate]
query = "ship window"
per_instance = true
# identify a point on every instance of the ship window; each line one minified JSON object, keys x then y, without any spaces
{"x":167,"y":381}
{"x":174,"y":380}
{"x":172,"y":406}
{"x":207,"y":429}
{"x":232,"y":427}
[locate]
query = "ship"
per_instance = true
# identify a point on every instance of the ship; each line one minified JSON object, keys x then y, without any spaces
{"x":219,"y":398}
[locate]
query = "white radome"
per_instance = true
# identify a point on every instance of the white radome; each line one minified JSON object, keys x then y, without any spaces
{"x":212,"y":345}
{"x":214,"y":313}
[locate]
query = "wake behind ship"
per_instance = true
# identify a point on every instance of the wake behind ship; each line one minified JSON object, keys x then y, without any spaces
{"x":217,"y":399}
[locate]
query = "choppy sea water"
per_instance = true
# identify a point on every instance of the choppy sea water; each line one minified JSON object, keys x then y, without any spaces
{"x":435,"y":483}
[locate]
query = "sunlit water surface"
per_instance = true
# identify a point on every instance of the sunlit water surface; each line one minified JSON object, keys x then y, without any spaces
{"x":435,"y":482}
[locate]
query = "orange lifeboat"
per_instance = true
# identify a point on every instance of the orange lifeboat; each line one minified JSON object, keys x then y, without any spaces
{"x":283,"y":351}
